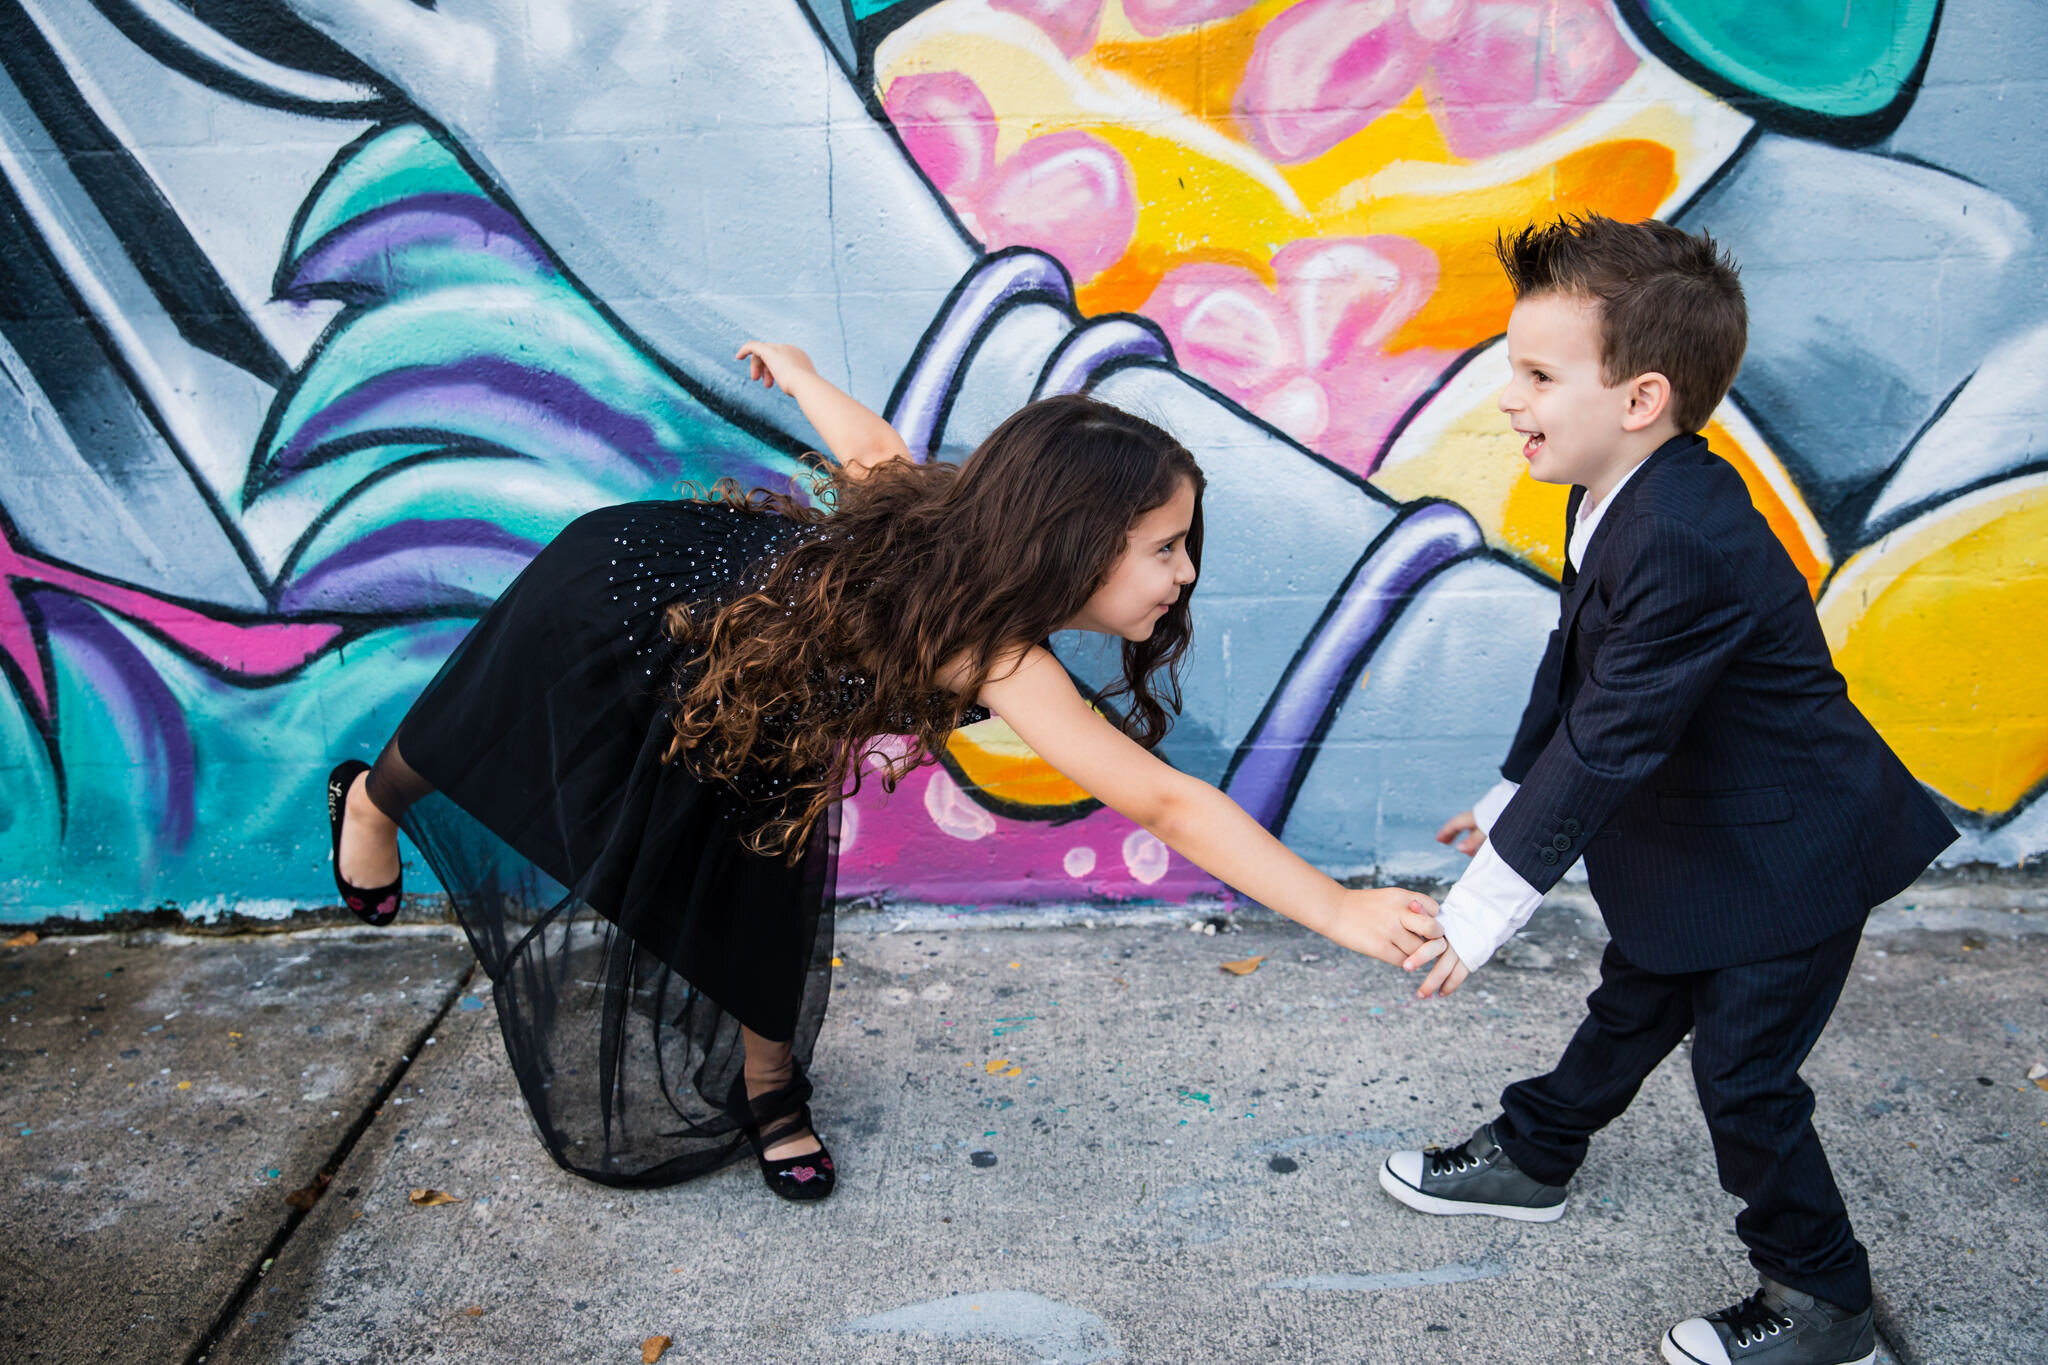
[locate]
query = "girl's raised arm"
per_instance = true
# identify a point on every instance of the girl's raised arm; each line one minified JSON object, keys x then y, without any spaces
{"x":1039,"y":702}
{"x":856,"y":437}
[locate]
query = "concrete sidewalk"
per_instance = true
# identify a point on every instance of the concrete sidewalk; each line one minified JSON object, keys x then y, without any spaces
{"x":1064,"y":1144}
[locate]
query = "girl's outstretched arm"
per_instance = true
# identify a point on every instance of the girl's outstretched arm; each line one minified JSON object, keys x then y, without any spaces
{"x":1194,"y":819}
{"x":856,"y":437}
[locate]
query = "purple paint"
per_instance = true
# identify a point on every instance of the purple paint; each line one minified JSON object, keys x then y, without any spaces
{"x":1408,"y":554}
{"x":402,"y":567}
{"x":150,"y":721}
{"x":504,"y":394}
{"x":363,"y":252}
{"x":989,"y":288}
{"x":1096,"y":346}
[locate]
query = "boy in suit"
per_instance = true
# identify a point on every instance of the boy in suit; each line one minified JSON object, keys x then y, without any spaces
{"x":1689,"y":736}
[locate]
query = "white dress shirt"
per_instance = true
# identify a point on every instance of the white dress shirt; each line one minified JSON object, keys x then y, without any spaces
{"x":1491,"y":901}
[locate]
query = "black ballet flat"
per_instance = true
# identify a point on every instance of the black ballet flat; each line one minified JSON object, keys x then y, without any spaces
{"x":376,"y":907}
{"x":801,"y":1179}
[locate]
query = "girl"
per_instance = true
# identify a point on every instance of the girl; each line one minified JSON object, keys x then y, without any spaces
{"x":627,"y":775}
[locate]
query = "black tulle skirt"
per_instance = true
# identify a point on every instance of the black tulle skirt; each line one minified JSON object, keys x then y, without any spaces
{"x":627,"y":932}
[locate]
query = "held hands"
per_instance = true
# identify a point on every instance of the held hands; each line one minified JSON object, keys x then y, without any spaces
{"x":1466,"y":823}
{"x":1448,"y":974}
{"x":775,"y":364}
{"x":1387,"y":923}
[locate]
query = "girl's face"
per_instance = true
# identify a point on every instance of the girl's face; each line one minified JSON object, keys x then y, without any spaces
{"x":1150,"y":575}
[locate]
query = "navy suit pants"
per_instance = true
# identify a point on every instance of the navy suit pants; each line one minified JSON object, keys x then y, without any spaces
{"x":1752,"y":1028}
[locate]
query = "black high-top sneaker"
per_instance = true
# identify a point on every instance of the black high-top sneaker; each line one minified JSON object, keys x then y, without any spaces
{"x":1474,"y":1178}
{"x":1777,"y":1325}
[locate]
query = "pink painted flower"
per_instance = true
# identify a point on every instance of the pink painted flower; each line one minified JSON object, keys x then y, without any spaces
{"x":1499,"y":73}
{"x":1309,"y":355}
{"x":1069,"y":23}
{"x":947,"y":125}
{"x":1154,"y":17}
{"x":1517,"y":70}
{"x":1068,"y":193}
{"x":1325,"y":69}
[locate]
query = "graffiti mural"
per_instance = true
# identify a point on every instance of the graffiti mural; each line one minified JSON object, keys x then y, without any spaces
{"x":319,"y":317}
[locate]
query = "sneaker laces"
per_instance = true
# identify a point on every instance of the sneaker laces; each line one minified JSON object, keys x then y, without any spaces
{"x":1451,"y":1160}
{"x":1754,"y":1319}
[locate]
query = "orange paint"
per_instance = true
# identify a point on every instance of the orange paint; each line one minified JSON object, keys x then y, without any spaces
{"x":1782,"y":522}
{"x":1012,"y":779}
{"x":1626,"y":179}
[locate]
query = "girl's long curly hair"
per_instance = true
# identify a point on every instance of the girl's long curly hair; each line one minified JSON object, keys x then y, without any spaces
{"x":915,"y":568}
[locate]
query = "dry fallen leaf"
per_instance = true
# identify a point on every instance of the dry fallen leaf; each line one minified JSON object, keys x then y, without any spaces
{"x":27,"y":938}
{"x":309,"y":1196}
{"x":474,"y":1312}
{"x":651,"y":1349}
{"x":1244,"y":966}
{"x":428,"y":1199}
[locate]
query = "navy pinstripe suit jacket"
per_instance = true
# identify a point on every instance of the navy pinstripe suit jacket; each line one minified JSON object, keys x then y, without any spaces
{"x":1689,"y":735}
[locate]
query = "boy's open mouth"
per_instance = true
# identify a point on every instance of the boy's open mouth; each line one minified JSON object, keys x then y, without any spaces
{"x":1533,"y":444}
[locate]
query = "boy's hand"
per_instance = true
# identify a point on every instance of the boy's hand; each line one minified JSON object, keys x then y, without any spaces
{"x":775,"y":364}
{"x":1387,"y":923}
{"x":1448,"y":974}
{"x":1466,"y":823}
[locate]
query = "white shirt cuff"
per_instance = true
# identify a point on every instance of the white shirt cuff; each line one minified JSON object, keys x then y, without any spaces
{"x":1485,"y":908}
{"x":1488,"y":808}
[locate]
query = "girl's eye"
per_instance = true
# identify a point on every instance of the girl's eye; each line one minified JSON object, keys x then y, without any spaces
{"x":1542,"y":377}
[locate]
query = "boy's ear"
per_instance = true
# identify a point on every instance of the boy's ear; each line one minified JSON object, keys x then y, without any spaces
{"x":1649,"y":398}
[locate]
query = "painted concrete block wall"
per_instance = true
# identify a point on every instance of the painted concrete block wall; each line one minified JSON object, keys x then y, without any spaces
{"x":318,"y":317}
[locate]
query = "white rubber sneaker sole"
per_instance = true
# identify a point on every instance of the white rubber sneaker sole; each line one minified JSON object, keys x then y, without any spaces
{"x":1429,"y":1203}
{"x":1678,"y":1355}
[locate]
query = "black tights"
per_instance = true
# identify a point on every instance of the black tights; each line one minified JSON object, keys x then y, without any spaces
{"x":392,"y":785}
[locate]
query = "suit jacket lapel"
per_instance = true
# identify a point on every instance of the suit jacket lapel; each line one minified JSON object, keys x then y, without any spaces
{"x":1577,"y":587}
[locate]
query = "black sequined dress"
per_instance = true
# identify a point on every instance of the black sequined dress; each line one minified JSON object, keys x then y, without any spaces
{"x":626,"y":931}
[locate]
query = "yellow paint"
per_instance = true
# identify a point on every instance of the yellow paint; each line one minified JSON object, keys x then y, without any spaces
{"x":1934,"y":628}
{"x":997,"y":1065}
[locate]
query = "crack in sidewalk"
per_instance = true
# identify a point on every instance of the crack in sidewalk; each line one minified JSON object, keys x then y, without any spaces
{"x":343,"y":1149}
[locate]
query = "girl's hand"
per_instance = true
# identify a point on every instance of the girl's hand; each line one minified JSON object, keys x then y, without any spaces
{"x":775,"y":364}
{"x":1385,"y":922}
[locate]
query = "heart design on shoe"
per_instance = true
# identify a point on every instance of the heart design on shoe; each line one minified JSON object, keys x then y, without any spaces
{"x":802,"y":1173}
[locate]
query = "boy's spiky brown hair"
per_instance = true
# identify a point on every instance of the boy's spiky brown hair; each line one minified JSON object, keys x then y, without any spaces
{"x":1670,"y":301}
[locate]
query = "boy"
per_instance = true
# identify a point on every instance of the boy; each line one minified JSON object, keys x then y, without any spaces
{"x":1689,"y":735}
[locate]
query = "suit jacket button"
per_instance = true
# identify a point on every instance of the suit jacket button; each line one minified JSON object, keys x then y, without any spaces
{"x":1560,"y":842}
{"x":1572,"y":827}
{"x":1549,"y":857}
